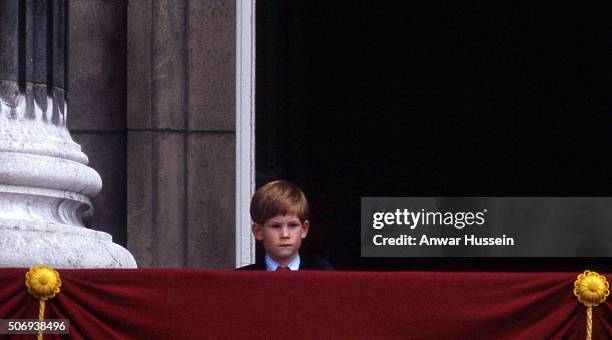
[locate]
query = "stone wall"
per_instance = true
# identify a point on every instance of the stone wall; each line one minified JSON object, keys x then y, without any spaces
{"x":97,"y":103}
{"x":152,"y":102}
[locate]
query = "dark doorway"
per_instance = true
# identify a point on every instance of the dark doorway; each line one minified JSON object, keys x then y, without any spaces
{"x":430,"y":99}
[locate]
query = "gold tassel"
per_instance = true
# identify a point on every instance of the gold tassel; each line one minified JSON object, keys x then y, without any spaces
{"x":43,"y":283}
{"x":591,"y":289}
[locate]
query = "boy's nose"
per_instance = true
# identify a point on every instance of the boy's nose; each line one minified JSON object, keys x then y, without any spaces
{"x":284,"y":231}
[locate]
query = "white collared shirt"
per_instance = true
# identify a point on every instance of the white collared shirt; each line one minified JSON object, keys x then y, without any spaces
{"x":271,"y":265}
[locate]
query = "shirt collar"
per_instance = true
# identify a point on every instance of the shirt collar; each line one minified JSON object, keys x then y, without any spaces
{"x":271,"y":265}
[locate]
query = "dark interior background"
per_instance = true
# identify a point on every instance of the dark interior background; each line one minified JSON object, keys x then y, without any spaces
{"x":393,"y":98}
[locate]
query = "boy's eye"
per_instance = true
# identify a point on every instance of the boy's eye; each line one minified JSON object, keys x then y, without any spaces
{"x":275,"y":226}
{"x":294,"y":225}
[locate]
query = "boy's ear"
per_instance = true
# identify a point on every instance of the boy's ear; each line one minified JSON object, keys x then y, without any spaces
{"x":305,"y":228}
{"x":257,"y":231}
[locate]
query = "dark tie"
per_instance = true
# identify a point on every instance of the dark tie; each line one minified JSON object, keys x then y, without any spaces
{"x":282,"y":269}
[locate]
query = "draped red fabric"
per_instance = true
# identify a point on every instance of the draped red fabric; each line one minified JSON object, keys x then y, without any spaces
{"x":199,"y":304}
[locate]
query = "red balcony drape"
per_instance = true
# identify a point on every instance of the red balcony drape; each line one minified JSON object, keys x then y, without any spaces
{"x":202,"y":304}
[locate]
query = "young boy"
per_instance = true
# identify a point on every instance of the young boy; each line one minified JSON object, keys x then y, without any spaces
{"x":279,"y":211}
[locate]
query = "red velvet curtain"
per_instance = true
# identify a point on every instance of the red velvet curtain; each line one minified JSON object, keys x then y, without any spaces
{"x":199,"y":304}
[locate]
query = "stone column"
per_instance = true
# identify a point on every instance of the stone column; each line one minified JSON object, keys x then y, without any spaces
{"x":45,"y":183}
{"x":181,"y":63}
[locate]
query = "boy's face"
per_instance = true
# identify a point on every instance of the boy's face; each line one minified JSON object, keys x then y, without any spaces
{"x":281,"y":236}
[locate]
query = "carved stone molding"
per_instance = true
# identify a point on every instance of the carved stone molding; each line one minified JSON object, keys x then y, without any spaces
{"x":45,"y":183}
{"x":45,"y":187}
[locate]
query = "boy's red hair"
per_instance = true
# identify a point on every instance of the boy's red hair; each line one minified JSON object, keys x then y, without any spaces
{"x":279,"y":198}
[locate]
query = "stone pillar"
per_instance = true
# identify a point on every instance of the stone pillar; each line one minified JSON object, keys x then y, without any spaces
{"x":45,"y":183}
{"x":182,"y":132}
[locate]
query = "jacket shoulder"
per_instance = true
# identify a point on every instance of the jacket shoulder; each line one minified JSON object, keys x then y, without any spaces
{"x":315,"y":263}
